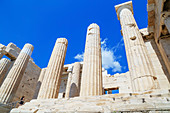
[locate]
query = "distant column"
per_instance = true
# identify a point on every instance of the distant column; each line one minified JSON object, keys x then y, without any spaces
{"x":2,"y":52}
{"x":67,"y":94}
{"x":91,"y":83}
{"x":39,"y":82}
{"x":4,"y":66}
{"x":12,"y":81}
{"x":75,"y":81}
{"x":139,"y":63}
{"x":52,"y":79}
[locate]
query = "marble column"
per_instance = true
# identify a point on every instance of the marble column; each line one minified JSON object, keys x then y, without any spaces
{"x":12,"y":81}
{"x":75,"y":81}
{"x":52,"y":79}
{"x":2,"y":52}
{"x":4,"y":66}
{"x":140,"y":67}
{"x":39,"y":82}
{"x":67,"y":94}
{"x":91,"y":82}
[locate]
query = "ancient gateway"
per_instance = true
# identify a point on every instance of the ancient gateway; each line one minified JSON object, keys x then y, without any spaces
{"x":86,"y":86}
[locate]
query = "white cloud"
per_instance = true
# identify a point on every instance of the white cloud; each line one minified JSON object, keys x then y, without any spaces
{"x":119,"y":45}
{"x":79,"y":57}
{"x":108,"y":57}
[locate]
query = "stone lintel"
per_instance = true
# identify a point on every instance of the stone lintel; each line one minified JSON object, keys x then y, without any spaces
{"x":119,"y":7}
{"x":144,"y":31}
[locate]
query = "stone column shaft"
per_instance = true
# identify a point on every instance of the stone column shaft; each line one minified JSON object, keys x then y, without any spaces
{"x":2,"y":52}
{"x":12,"y":81}
{"x":75,"y":81}
{"x":4,"y":66}
{"x":91,"y":83}
{"x":39,"y":82}
{"x":141,"y":71}
{"x":51,"y":82}
{"x":67,"y":94}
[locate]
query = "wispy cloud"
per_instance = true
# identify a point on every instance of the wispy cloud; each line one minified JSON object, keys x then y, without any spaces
{"x":109,"y":61}
{"x":119,"y":45}
{"x":79,"y":57}
{"x":108,"y":58}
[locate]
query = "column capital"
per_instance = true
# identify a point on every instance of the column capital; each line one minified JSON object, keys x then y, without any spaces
{"x":127,"y":5}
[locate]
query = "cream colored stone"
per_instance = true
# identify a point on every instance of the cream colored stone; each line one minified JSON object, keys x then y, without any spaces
{"x":12,"y":81}
{"x":51,"y":82}
{"x":91,"y":83}
{"x":12,"y":51}
{"x":158,"y":66}
{"x":67,"y":94}
{"x":140,"y":68}
{"x":39,"y":82}
{"x":28,"y":82}
{"x":4,"y":66}
{"x":73,"y":83}
{"x":110,"y":103}
{"x":2,"y":50}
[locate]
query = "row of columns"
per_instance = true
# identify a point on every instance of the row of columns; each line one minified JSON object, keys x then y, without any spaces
{"x":50,"y":77}
{"x":91,"y":83}
{"x":13,"y":78}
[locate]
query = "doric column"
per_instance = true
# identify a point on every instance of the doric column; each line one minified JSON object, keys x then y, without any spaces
{"x":12,"y":81}
{"x":51,"y":82}
{"x":91,"y":83}
{"x":2,"y":52}
{"x":39,"y":82}
{"x":4,"y":66}
{"x":139,"y":63}
{"x":67,"y":94}
{"x":75,"y":81}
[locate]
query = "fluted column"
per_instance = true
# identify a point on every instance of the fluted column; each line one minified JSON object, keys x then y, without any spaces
{"x":67,"y":94}
{"x":139,"y":63}
{"x":52,"y":79}
{"x":75,"y":81}
{"x":91,"y":83}
{"x":4,"y":66}
{"x":2,"y":52}
{"x":12,"y":81}
{"x":39,"y":82}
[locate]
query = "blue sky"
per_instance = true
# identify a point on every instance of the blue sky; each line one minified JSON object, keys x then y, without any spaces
{"x":41,"y":22}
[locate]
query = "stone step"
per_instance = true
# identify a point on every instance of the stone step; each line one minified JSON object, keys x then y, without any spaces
{"x":110,"y":103}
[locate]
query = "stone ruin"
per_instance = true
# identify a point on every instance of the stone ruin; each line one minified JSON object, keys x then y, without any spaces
{"x":86,"y":86}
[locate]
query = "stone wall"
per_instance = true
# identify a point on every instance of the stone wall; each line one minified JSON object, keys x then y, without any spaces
{"x":120,"y":81}
{"x":158,"y":18}
{"x":161,"y":74}
{"x":28,"y":83}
